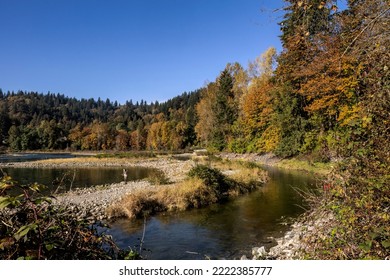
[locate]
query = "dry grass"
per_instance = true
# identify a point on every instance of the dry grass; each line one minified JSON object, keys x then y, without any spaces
{"x":207,"y":187}
{"x":250,"y":176}
{"x":190,"y":193}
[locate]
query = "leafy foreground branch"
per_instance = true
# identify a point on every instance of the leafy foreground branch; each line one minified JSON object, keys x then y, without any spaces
{"x":204,"y":186}
{"x":31,"y":227}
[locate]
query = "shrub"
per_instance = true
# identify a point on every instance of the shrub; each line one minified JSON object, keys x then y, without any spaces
{"x":33,"y":228}
{"x":212,"y":178}
{"x":158,"y":178}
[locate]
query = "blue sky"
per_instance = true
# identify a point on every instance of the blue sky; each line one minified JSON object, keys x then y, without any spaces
{"x":134,"y":49}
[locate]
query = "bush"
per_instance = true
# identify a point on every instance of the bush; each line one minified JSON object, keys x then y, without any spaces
{"x":33,"y":228}
{"x":212,"y":178}
{"x":158,"y":178}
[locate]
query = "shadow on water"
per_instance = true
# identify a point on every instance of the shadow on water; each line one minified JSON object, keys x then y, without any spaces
{"x":222,"y":231}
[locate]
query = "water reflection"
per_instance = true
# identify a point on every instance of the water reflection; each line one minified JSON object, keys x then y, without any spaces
{"x":220,"y":231}
{"x":65,"y":178}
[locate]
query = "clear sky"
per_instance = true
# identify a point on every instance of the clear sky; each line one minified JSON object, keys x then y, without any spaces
{"x":129,"y":49}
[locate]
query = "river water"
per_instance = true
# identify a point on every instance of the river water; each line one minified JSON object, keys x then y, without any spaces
{"x":63,"y":179}
{"x":225,"y":231}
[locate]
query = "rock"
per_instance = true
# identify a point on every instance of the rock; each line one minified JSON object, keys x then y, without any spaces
{"x":259,"y":253}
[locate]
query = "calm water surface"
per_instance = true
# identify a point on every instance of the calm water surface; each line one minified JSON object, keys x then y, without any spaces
{"x":220,"y":231}
{"x":66,"y":178}
{"x":63,"y":179}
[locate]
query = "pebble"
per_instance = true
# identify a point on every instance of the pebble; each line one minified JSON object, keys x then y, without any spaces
{"x":289,"y":246}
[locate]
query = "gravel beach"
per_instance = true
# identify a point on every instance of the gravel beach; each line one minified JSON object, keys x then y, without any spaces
{"x":91,"y":203}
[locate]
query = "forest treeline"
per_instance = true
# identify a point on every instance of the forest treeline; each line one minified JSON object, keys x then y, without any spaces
{"x":321,"y":95}
{"x":30,"y":121}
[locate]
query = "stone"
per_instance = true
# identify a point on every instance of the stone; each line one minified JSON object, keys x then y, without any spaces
{"x":259,"y":253}
{"x":244,"y":258}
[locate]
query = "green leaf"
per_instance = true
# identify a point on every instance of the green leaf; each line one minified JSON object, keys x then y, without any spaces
{"x":4,"y":201}
{"x":386,"y":243}
{"x":366,"y":246}
{"x":42,"y":199}
{"x":24,"y":230}
{"x":49,"y":247}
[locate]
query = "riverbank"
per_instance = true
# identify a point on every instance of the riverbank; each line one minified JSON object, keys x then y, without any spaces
{"x":313,"y":224}
{"x":270,"y":159}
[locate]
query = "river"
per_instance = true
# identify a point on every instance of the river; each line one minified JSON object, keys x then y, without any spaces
{"x":225,"y":231}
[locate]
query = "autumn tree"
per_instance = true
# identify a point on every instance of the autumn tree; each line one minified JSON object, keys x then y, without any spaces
{"x":206,"y":116}
{"x":122,"y":140}
{"x":305,"y":26}
{"x":256,"y":107}
{"x":138,"y":136}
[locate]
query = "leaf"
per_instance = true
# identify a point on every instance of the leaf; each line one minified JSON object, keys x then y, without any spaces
{"x":24,"y":230}
{"x":386,"y":243}
{"x":49,"y":247}
{"x":4,"y":201}
{"x":35,"y":187}
{"x":4,"y":186}
{"x":366,"y":247}
{"x":43,"y":199}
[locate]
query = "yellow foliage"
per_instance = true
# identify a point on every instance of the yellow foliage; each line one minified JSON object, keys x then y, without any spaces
{"x":270,"y":139}
{"x":256,"y":107}
{"x":205,"y":113}
{"x":349,"y":114}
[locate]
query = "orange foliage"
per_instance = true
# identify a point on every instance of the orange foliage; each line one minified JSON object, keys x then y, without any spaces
{"x":329,"y":80}
{"x":256,"y":107}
